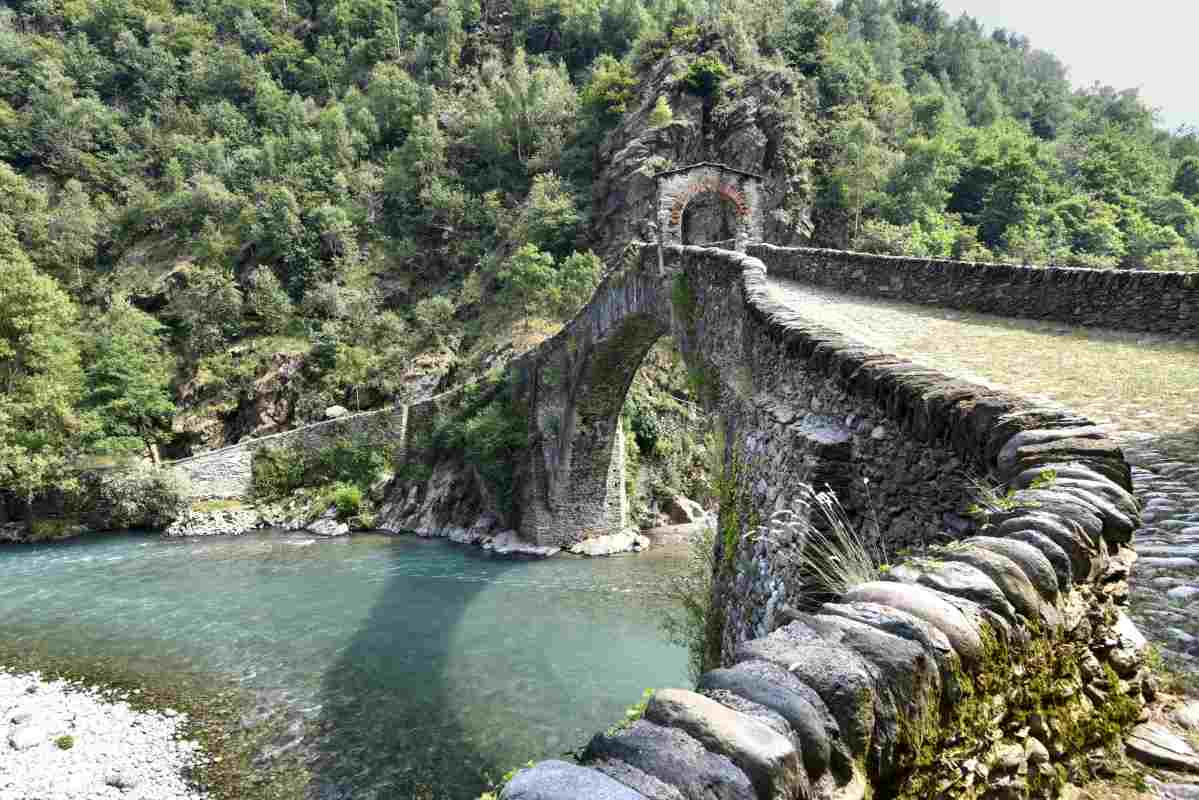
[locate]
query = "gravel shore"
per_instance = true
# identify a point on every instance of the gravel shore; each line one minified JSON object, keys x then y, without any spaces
{"x":62,"y":742}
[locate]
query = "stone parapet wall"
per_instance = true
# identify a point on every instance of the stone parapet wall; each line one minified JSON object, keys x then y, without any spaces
{"x":227,"y":473}
{"x":1165,"y":303}
{"x":982,"y":667}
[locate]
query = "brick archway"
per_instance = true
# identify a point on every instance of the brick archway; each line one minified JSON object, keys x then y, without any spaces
{"x":677,"y":187}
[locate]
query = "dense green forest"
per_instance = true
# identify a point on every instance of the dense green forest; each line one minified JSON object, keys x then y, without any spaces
{"x":199,"y":195}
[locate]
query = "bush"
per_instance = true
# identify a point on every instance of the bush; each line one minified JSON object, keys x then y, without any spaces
{"x":705,"y":75}
{"x":277,"y":472}
{"x":138,"y":498}
{"x":348,"y":499}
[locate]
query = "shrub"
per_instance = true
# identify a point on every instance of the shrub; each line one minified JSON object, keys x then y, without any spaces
{"x":704,"y":76}
{"x":65,"y":742}
{"x":277,"y":472}
{"x":348,"y":499}
{"x":661,"y":114}
{"x":137,"y":498}
{"x":691,"y":624}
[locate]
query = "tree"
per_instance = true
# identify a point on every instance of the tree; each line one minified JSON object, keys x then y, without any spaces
{"x":859,"y":167}
{"x":548,"y":217}
{"x":267,"y":302}
{"x":661,"y":114}
{"x":578,"y":276}
{"x":1186,"y":180}
{"x":128,"y":378}
{"x":529,"y":280}
{"x":40,"y":378}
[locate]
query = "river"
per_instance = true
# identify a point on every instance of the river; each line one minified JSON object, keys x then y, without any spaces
{"x":418,"y":667}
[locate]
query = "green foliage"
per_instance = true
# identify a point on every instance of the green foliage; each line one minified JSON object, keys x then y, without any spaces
{"x":128,"y":378}
{"x":64,"y":742}
{"x":704,"y":75}
{"x":348,"y":499}
{"x":661,"y":115}
{"x":610,"y":88}
{"x":134,"y":498}
{"x":632,"y":714}
{"x":529,"y":280}
{"x":693,"y":623}
{"x":40,"y":376}
{"x":492,"y":440}
{"x":1186,"y":180}
{"x":349,"y":464}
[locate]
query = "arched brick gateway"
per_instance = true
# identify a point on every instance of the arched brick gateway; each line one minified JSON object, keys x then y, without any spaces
{"x":742,"y":190}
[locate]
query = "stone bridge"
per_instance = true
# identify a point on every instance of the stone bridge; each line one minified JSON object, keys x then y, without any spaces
{"x":868,"y":692}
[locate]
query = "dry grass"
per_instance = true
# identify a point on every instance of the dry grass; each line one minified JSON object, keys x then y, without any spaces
{"x":1133,"y":381}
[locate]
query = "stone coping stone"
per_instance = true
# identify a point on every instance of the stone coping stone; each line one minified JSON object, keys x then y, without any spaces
{"x":1086,"y":560}
{"x":1008,"y":576}
{"x":674,"y":758}
{"x":904,"y":625}
{"x":773,"y":687}
{"x":769,"y":758}
{"x":1032,"y":562}
{"x":841,"y":677}
{"x":1062,"y":567}
{"x":559,"y":780}
{"x":956,"y":579}
{"x":923,"y":604}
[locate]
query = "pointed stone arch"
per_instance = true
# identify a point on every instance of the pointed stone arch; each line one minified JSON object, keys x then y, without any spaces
{"x":740,"y":189}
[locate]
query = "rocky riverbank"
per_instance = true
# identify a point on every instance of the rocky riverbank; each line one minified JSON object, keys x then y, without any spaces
{"x":63,"y":742}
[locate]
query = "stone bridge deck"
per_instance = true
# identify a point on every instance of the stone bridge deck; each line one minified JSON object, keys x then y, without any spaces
{"x":1145,"y":390}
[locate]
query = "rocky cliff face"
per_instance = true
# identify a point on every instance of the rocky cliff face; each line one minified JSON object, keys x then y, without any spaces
{"x":756,"y":121}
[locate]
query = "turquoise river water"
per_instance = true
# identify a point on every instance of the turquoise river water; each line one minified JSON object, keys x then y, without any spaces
{"x":414,"y":664}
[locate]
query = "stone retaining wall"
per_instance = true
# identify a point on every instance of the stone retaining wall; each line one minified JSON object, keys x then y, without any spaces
{"x":974,"y":669}
{"x":1165,"y":303}
{"x":228,"y":472}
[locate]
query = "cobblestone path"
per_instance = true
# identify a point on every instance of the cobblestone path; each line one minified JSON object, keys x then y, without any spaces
{"x":1143,"y":389}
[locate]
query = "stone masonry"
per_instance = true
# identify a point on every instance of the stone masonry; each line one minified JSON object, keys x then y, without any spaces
{"x":1165,"y":303}
{"x":740,"y":189}
{"x":228,"y":472}
{"x":836,"y":700}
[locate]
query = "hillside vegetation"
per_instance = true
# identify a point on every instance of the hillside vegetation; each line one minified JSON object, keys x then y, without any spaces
{"x":219,"y":217}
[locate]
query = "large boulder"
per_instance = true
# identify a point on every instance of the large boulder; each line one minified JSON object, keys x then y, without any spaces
{"x":627,"y":541}
{"x":327,"y":526}
{"x":682,"y":510}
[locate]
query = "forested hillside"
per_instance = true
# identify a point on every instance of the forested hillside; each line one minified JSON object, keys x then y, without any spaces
{"x":218,"y":217}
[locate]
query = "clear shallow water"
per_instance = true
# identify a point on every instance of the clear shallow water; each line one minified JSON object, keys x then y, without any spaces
{"x":420,"y":664}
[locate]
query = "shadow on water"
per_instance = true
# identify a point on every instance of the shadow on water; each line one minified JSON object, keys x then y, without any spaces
{"x":387,"y":726}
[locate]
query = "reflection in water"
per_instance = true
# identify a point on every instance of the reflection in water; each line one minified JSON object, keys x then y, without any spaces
{"x":422,"y":666}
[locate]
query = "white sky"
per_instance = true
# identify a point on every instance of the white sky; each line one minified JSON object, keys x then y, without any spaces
{"x":1147,"y":44}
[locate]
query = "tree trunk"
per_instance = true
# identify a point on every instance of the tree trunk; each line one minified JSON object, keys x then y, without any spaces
{"x":153,"y":448}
